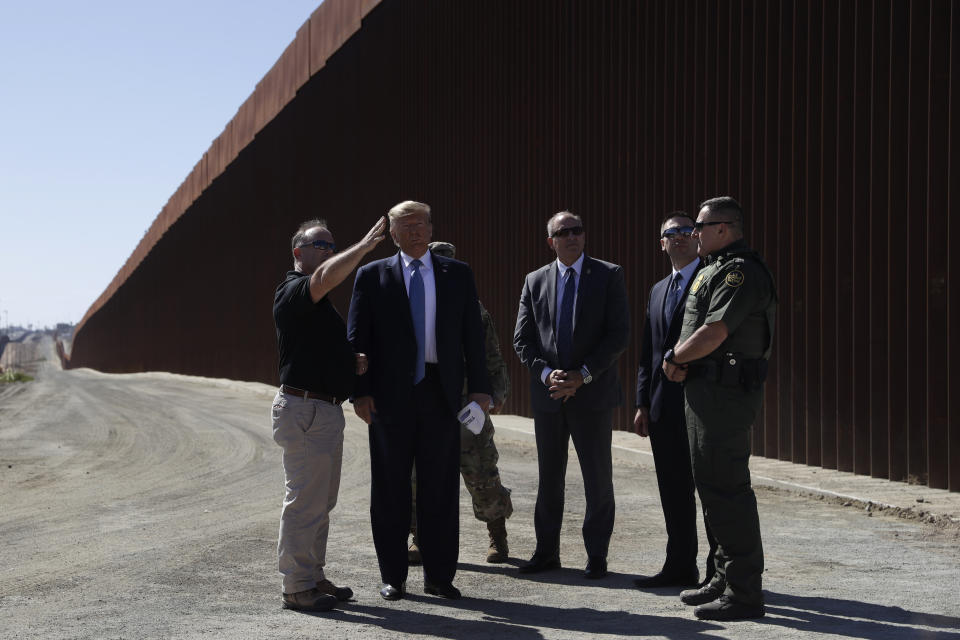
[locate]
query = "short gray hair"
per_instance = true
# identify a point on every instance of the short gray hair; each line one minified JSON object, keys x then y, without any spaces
{"x":301,"y":232}
{"x":557,"y":216}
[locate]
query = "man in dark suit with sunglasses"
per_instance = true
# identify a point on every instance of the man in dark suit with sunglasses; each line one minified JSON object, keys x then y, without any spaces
{"x":572,"y":326}
{"x":659,"y":405}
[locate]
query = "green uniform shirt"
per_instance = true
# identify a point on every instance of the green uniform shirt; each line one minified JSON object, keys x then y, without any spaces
{"x":735,"y":287}
{"x":496,"y":367}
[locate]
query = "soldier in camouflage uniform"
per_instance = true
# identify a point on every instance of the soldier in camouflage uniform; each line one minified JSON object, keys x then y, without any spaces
{"x":722,"y":356}
{"x":478,"y":453}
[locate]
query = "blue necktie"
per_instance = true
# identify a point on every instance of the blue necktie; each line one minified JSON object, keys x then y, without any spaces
{"x":565,"y":326}
{"x":676,"y":290}
{"x":418,"y":313}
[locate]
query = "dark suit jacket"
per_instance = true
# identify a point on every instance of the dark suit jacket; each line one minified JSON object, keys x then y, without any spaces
{"x":664,"y":398}
{"x":601,"y":332}
{"x":380,"y":326}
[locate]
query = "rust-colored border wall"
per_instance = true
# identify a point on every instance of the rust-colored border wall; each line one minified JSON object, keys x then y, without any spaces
{"x":330,"y":25}
{"x":833,"y":123}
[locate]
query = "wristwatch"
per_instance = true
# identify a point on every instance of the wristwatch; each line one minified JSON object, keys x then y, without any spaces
{"x":587,"y":378}
{"x":668,"y":357}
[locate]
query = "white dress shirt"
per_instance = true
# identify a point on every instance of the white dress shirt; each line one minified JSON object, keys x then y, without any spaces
{"x":429,"y":299}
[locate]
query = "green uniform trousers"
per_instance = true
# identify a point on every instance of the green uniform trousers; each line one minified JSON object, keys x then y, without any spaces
{"x":718,"y":426}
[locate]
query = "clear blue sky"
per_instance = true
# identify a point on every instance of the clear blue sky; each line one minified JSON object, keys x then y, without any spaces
{"x":105,"y":106}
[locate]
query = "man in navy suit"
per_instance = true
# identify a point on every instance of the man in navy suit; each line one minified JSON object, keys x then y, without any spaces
{"x":416,"y":317}
{"x":572,"y":326}
{"x":660,"y":409}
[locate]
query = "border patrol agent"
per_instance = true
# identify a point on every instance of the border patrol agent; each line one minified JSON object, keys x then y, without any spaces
{"x":478,"y":453}
{"x":722,"y":356}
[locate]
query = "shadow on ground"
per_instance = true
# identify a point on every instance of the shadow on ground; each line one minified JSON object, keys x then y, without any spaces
{"x":855,"y":619}
{"x":570,"y":576}
{"x":521,"y":620}
{"x":524,"y":620}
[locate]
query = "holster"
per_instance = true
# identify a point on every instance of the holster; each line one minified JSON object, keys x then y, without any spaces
{"x":730,"y":370}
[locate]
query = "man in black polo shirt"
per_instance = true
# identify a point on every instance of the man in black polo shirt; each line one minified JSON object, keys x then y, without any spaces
{"x":317,"y":372}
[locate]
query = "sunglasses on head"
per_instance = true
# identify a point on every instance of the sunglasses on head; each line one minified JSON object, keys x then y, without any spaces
{"x":566,"y":231}
{"x":319,"y":244}
{"x":677,"y":232}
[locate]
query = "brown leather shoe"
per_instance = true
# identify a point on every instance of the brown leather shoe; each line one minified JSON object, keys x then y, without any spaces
{"x":340,"y":593}
{"x":309,"y":600}
{"x":498,"y":551}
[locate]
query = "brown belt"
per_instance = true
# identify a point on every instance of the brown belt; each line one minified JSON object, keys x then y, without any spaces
{"x":310,"y":395}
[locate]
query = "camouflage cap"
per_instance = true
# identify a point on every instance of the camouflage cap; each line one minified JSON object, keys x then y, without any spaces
{"x":444,"y":249}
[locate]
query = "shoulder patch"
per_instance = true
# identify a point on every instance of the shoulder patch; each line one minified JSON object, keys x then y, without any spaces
{"x":734,"y":278}
{"x":696,"y":283}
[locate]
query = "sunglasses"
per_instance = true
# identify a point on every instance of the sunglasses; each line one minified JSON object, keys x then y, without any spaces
{"x":566,"y":231}
{"x":320,"y":244}
{"x":700,"y":225}
{"x":677,"y":232}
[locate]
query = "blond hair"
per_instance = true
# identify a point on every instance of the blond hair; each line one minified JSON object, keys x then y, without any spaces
{"x":406,"y":208}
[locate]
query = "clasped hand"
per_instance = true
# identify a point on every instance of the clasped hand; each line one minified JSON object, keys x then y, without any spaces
{"x":564,"y":384}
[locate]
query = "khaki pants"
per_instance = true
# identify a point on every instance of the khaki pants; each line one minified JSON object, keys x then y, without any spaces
{"x":311,"y":435}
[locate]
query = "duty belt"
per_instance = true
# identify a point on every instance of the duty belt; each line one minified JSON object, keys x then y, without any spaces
{"x":310,"y":395}
{"x":730,"y":370}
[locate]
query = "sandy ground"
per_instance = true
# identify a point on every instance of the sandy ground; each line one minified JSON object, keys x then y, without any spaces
{"x":147,"y":505}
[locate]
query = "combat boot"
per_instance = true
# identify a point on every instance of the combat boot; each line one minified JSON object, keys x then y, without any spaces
{"x":498,"y":551}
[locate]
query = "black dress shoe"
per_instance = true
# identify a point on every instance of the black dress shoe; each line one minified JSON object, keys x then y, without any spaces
{"x":540,"y":563}
{"x":703,"y":595}
{"x":663,"y":579}
{"x":443,"y":590}
{"x":728,"y":609}
{"x":390,"y":592}
{"x":596,"y":568}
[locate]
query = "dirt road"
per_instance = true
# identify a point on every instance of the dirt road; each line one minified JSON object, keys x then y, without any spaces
{"x":146,"y":506}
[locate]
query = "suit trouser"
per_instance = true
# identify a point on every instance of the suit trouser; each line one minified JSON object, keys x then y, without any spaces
{"x":478,"y":466}
{"x":671,"y":457}
{"x":718,"y":426}
{"x":428,"y":437}
{"x":592,"y":438}
{"x":311,"y":435}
